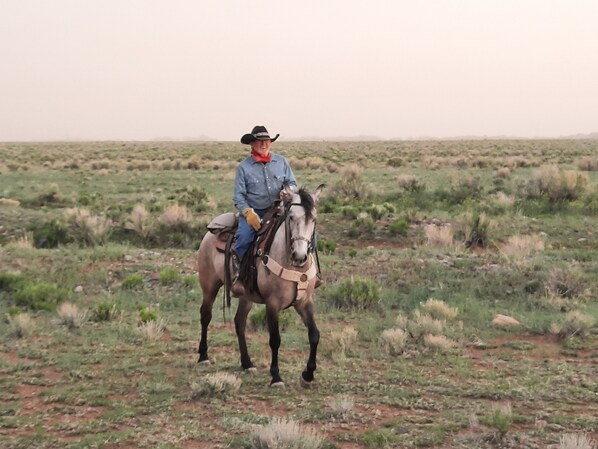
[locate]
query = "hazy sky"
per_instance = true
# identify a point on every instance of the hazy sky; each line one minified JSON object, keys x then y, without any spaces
{"x":143,"y":69}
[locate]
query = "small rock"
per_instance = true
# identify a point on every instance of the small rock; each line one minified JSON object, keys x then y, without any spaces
{"x":78,"y":289}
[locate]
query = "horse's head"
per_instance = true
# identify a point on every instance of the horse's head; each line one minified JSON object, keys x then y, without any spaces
{"x":301,"y":221}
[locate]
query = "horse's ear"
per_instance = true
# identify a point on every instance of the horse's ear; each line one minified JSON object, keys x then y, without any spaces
{"x":316,"y":194}
{"x":287,"y":192}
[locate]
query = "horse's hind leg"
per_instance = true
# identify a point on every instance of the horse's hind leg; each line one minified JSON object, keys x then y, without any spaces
{"x":240,"y":325}
{"x":307,"y":315}
{"x":209,"y":295}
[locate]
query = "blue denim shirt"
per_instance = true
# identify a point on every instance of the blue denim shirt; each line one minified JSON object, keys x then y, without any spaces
{"x":258,"y":184}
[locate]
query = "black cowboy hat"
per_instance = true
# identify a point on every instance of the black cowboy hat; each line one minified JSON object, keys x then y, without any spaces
{"x":258,"y":132}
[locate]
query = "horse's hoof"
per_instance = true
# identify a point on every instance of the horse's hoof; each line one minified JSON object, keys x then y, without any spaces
{"x":277,"y":385}
{"x":306,"y":384}
{"x":251,"y":370}
{"x":205,"y":362}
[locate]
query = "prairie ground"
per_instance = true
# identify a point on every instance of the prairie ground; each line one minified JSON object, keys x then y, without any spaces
{"x":422,"y":244}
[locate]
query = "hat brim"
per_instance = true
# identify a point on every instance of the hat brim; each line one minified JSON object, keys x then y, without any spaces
{"x":248,"y":138}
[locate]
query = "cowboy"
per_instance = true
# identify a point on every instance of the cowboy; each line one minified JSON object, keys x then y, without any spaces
{"x":258,"y":182}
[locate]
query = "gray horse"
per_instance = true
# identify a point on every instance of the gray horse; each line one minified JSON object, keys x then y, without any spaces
{"x":285,"y":277}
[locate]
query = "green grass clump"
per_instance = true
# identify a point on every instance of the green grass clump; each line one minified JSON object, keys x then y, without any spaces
{"x":357,"y":293}
{"x":132,"y":281}
{"x":399,"y":227}
{"x":169,"y":276}
{"x":147,"y":314}
{"x":40,"y":296}
{"x":104,"y":311}
{"x":11,"y":282}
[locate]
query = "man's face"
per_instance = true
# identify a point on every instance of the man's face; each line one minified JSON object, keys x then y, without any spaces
{"x":261,"y":147}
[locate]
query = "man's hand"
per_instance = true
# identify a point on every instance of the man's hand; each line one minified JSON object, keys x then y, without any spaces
{"x":252,"y":218}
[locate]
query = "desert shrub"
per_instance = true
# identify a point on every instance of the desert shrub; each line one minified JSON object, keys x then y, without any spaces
{"x":378,"y":211}
{"x":574,"y":323}
{"x":504,"y":200}
{"x":132,"y":281}
{"x":588,"y":164}
{"x":194,"y":198}
{"x":461,"y":189}
{"x":7,"y":202}
{"x":105,"y":311}
{"x":40,"y":296}
{"x":283,"y":434}
{"x":152,"y":329}
{"x":576,"y":441}
{"x":176,"y":218}
{"x":363,"y":224}
{"x":439,"y":236}
{"x":477,"y":229}
{"x":341,"y":406}
{"x":216,"y":384}
{"x":500,"y":418}
{"x":326,"y":246}
{"x":349,"y":212}
{"x":423,"y":324}
{"x":258,"y":319}
{"x":169,"y":276}
{"x":410,"y":183}
{"x":440,"y":310}
{"x":51,"y":234}
{"x":342,"y":341}
{"x":20,"y":325}
{"x":564,"y":281}
{"x":87,"y":229}
{"x":395,"y":162}
{"x":503,"y":173}
{"x":438,"y":343}
{"x":357,"y":293}
{"x":590,"y":201}
{"x":400,"y":226}
{"x":50,"y":197}
{"x":138,"y":221}
{"x":176,"y":228}
{"x":523,"y":245}
{"x":193,"y":163}
{"x":555,"y":185}
{"x":393,"y":341}
{"x":351,"y":186}
{"x":70,"y":316}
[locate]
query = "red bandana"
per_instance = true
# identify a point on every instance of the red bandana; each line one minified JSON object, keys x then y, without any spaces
{"x":259,"y":158}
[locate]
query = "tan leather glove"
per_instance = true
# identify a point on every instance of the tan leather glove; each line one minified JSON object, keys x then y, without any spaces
{"x":252,"y":218}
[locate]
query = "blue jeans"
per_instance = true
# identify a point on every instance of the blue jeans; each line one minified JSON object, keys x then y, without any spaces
{"x":246,"y":234}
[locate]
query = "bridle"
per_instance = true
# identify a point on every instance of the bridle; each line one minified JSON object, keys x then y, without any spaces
{"x":287,"y":225}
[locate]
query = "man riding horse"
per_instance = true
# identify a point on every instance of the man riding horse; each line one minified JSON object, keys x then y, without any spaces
{"x":259,"y":180}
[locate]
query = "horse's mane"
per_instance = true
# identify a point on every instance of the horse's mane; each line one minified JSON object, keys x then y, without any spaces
{"x":307,"y":202}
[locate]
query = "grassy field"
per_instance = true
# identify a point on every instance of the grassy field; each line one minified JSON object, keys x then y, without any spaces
{"x":422,"y":244}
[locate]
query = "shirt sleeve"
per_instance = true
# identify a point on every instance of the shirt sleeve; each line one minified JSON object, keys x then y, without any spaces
{"x":289,"y":177}
{"x":240,"y":190}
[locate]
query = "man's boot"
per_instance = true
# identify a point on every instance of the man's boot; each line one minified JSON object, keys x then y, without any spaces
{"x":237,"y":288}
{"x":319,"y":281}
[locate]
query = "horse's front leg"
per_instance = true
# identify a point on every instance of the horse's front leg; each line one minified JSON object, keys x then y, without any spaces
{"x":240,"y":325}
{"x":272,"y":318}
{"x":209,"y":295}
{"x":306,"y":311}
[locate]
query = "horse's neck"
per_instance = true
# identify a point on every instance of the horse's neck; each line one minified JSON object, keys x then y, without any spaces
{"x":279,"y":249}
